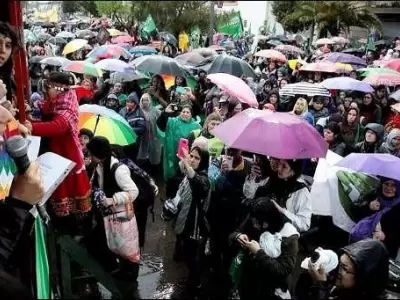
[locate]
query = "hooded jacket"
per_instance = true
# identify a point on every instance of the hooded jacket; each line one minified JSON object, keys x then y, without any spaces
{"x":135,"y":117}
{"x":388,"y":146}
{"x":364,"y":147}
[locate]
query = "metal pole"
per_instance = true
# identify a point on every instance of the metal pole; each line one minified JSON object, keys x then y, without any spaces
{"x":212,"y":21}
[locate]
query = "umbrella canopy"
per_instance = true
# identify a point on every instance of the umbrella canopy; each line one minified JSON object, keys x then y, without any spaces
{"x":143,"y":50}
{"x":365,"y":72}
{"x":393,"y":64}
{"x":43,"y":37}
{"x":353,"y":50}
{"x":159,"y":64}
{"x":83,"y":67}
{"x":304,"y":88}
{"x":74,"y":45}
{"x":65,"y":35}
{"x":343,"y":68}
{"x":271,"y":54}
{"x":235,"y":87}
{"x":377,"y":164}
{"x":109,"y":51}
{"x":123,"y":39}
{"x":206,"y":52}
{"x":383,"y":79}
{"x":132,"y":75}
{"x":170,"y":80}
{"x":395,"y":96}
{"x":324,"y":41}
{"x":114,"y":32}
{"x":347,"y":84}
{"x":339,"y":40}
{"x":56,"y":61}
{"x":57,"y":41}
{"x":227,"y":64}
{"x":169,"y":38}
{"x":113,"y":65}
{"x":36,"y":59}
{"x":323,"y":67}
{"x":289,"y":49}
{"x":274,"y":43}
{"x":85,"y":34}
{"x":340,"y":57}
{"x":217,"y":48}
{"x":107,"y":123}
{"x":29,"y":36}
{"x":280,"y":135}
{"x":190,"y":58}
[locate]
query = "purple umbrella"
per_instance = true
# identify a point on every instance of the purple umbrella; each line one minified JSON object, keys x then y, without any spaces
{"x":385,"y":165}
{"x":347,"y":84}
{"x":281,"y":135}
{"x":340,"y":57}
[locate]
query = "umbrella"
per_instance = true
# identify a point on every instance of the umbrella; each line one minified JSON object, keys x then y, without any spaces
{"x":235,"y":87}
{"x":227,"y":64}
{"x":169,"y":38}
{"x":304,"y":88}
{"x":143,"y":50}
{"x":280,"y":135}
{"x":36,"y":59}
{"x":217,"y":48}
{"x":340,"y":57}
{"x":396,"y":107}
{"x":29,"y":36}
{"x":123,"y":39}
{"x":377,"y":164}
{"x":159,"y":64}
{"x":272,"y":54}
{"x":206,"y":52}
{"x":109,"y":51}
{"x":383,"y":79}
{"x":339,"y":40}
{"x":169,"y":81}
{"x":326,"y":67}
{"x":353,"y":50}
{"x":83,"y":67}
{"x":85,"y":34}
{"x":65,"y":35}
{"x":365,"y":72}
{"x":395,"y":96}
{"x":393,"y":64}
{"x":107,"y":123}
{"x":113,"y":65}
{"x":289,"y":49}
{"x":343,"y":68}
{"x":347,"y":84}
{"x":293,"y":62}
{"x":57,"y":41}
{"x":380,"y":43}
{"x":274,"y":42}
{"x":43,"y":37}
{"x":190,"y":58}
{"x":324,"y":41}
{"x":74,"y":45}
{"x":132,"y":75}
{"x":56,"y":61}
{"x":114,"y":32}
{"x":48,"y":25}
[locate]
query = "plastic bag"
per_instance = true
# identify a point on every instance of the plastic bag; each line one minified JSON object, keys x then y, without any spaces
{"x":236,"y":269}
{"x":123,"y":237}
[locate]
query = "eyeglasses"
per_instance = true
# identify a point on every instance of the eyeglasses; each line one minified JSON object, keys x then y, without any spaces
{"x":343,"y":268}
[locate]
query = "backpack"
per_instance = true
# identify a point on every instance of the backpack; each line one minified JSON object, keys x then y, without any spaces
{"x":144,"y":183}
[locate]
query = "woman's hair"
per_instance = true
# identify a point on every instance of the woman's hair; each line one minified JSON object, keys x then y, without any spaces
{"x":59,"y":78}
{"x":184,"y":82}
{"x":212,"y":117}
{"x":204,"y":159}
{"x":305,"y":105}
{"x":273,"y":92}
{"x":334,"y":127}
{"x":266,"y":211}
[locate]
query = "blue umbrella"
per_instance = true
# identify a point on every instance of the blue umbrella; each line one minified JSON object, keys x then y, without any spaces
{"x":347,"y":84}
{"x":143,"y":50}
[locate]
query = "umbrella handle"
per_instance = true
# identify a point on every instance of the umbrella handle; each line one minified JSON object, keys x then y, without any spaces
{"x":97,"y":123}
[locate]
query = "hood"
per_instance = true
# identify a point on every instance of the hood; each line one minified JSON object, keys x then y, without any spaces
{"x":371,"y":260}
{"x":133,"y":97}
{"x":377,"y":128}
{"x":394,"y":133}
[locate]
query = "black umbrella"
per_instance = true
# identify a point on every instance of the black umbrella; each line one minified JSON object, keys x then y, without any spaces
{"x":227,"y":64}
{"x":36,"y":59}
{"x":85,"y":34}
{"x":44,"y":37}
{"x":169,"y":38}
{"x":48,"y":25}
{"x":57,"y":41}
{"x":353,"y":50}
{"x":158,"y":64}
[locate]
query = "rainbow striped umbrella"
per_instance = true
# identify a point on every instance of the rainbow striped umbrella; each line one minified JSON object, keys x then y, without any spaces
{"x":109,"y":51}
{"x":7,"y":171}
{"x":169,"y":81}
{"x":83,"y":67}
{"x":107,"y":123}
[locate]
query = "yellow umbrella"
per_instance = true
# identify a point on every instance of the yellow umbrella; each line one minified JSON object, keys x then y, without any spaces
{"x":74,"y":45}
{"x":344,"y":67}
{"x":114,"y":32}
{"x":293,"y":62}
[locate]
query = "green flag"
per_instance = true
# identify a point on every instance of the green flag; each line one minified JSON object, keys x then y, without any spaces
{"x":148,"y":26}
{"x":370,"y":45}
{"x":195,"y":37}
{"x":42,"y":263}
{"x":234,"y":27}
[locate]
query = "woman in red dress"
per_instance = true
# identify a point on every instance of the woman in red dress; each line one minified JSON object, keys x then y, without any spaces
{"x":72,"y":198}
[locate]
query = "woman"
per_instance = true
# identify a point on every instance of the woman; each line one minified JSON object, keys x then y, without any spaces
{"x":9,"y":44}
{"x":372,"y":140}
{"x":214,"y":145}
{"x":167,"y":51}
{"x":180,"y":81}
{"x":71,"y":199}
{"x":150,"y":146}
{"x":263,"y":96}
{"x":273,"y":98}
{"x":362,"y":274}
{"x":333,"y":138}
{"x":270,"y":246}
{"x":301,"y":109}
{"x":392,"y":143}
{"x":234,"y":107}
{"x":175,"y":128}
{"x":370,"y":112}
{"x":190,"y":206}
{"x":158,"y":92}
{"x":351,"y":128}
{"x":113,"y":190}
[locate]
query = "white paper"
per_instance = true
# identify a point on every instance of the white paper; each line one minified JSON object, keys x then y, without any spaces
{"x":54,"y":170}
{"x":34,"y":147}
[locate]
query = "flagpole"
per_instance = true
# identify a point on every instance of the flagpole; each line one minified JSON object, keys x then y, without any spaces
{"x":212,"y":21}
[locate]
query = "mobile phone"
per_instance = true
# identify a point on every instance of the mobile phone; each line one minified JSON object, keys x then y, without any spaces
{"x":180,"y":90}
{"x":182,"y":147}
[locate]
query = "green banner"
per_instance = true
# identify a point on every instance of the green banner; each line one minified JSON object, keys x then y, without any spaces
{"x":370,"y":44}
{"x":148,"y":26}
{"x":195,"y":37}
{"x":42,"y":263}
{"x":234,"y":27}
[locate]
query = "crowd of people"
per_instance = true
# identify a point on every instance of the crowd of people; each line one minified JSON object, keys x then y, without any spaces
{"x":242,"y":220}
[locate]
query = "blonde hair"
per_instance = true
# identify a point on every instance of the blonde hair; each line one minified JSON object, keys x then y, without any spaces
{"x":212,"y":117}
{"x":305,"y":110}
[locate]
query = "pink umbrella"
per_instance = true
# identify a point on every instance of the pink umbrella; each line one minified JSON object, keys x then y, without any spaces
{"x":271,"y":54}
{"x":383,"y":79}
{"x":280,"y":135}
{"x":235,"y":87}
{"x":216,"y":48}
{"x":320,"y":67}
{"x":123,"y":39}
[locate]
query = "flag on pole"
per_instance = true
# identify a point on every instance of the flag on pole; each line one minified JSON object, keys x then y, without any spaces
{"x":234,"y":27}
{"x":148,"y":27}
{"x":42,"y":263}
{"x":370,"y":44}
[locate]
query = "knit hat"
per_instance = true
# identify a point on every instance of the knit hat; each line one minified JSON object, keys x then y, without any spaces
{"x":133,"y":97}
{"x":99,"y":147}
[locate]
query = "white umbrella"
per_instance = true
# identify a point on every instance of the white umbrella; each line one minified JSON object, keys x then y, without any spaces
{"x":324,"y":41}
{"x":65,"y":35}
{"x":304,"y":88}
{"x":56,"y":61}
{"x":113,"y":65}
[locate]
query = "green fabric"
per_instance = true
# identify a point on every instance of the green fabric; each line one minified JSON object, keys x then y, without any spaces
{"x":236,"y":269}
{"x":148,"y":27}
{"x":370,"y":45}
{"x":175,"y":130}
{"x":122,"y":99}
{"x":42,"y":263}
{"x":215,"y":145}
{"x":234,"y":27}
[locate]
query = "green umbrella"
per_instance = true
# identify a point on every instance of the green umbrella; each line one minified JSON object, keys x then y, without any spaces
{"x":365,"y":72}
